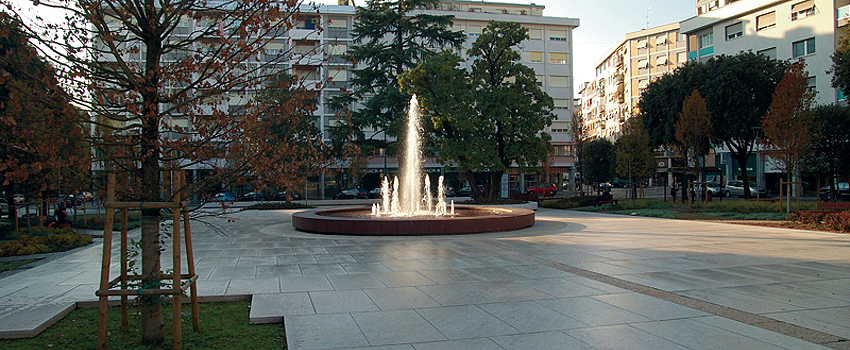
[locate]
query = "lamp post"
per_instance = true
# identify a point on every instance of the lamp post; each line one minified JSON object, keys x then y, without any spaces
{"x":756,"y":132}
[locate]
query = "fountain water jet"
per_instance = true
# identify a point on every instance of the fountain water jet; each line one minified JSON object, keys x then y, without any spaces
{"x":401,"y":209}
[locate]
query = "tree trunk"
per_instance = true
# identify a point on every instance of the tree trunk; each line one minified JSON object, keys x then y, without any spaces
{"x":741,"y":157}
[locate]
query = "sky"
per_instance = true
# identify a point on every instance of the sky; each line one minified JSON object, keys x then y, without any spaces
{"x":602,"y":23}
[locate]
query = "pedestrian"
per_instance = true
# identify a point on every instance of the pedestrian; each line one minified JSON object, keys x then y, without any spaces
{"x":673,"y":192}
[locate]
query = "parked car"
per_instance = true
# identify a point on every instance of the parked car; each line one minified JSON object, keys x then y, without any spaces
{"x":736,"y":188}
{"x":251,"y":197}
{"x":466,"y":191}
{"x":713,"y":188}
{"x":449,"y":191}
{"x":843,"y":189}
{"x":375,"y":192}
{"x":352,"y":193}
{"x":226,"y":197}
{"x":544,"y":189}
{"x":619,"y":183}
{"x":281,"y":196}
{"x":67,"y":200}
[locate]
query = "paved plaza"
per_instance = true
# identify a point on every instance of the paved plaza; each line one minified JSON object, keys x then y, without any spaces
{"x":575,"y":280}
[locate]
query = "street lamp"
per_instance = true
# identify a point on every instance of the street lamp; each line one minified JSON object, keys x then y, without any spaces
{"x":756,"y":132}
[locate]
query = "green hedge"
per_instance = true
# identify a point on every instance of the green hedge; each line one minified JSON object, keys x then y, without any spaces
{"x":42,"y":240}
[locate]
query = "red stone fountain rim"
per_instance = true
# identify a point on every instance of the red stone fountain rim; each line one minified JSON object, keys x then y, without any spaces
{"x":323,"y":221}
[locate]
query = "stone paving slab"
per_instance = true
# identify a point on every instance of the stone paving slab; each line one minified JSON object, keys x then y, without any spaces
{"x":573,"y":281}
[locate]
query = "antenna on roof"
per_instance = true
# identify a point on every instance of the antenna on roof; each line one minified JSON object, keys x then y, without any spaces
{"x":647,"y":16}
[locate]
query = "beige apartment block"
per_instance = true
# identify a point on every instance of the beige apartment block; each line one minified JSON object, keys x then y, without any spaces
{"x":624,"y":72}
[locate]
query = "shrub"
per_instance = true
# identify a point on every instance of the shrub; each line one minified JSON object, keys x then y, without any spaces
{"x":45,"y":240}
{"x":558,"y":204}
{"x":276,"y":205}
{"x":838,"y":222}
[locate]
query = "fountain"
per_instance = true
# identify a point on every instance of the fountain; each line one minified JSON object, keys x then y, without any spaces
{"x":407,"y":207}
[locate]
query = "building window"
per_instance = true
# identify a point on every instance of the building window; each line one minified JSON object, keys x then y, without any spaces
{"x":337,"y":24}
{"x":735,"y":30}
{"x":813,"y":84}
{"x":561,"y":103}
{"x":706,"y":44}
{"x":474,"y":30}
{"x":770,"y":53}
{"x":338,"y":49}
{"x":338,"y":74}
{"x":661,"y":40}
{"x":539,"y":79}
{"x":559,"y":81}
{"x":557,"y":35}
{"x":681,"y":57}
{"x":802,"y":10}
{"x":274,"y":49}
{"x":641,"y":44}
{"x":767,"y":20}
{"x":535,"y":34}
{"x":562,"y":150}
{"x":558,"y":58}
{"x":643,"y":64}
{"x":660,"y":61}
{"x":803,"y":47}
{"x":643,"y":84}
{"x":532,"y":56}
{"x":305,"y":24}
{"x":706,"y":40}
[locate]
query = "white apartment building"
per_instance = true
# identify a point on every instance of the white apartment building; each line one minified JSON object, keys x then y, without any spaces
{"x":624,"y":72}
{"x":318,"y":57}
{"x":785,"y":30}
{"x":549,"y":52}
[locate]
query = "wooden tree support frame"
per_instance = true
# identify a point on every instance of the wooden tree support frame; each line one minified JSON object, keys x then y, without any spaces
{"x":181,"y":282}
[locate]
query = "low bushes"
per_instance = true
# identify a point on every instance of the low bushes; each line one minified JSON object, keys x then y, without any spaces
{"x":558,"y":204}
{"x":276,"y":205}
{"x":42,"y":240}
{"x":838,"y":221}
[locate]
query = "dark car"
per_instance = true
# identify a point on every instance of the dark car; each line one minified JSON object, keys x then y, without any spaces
{"x":281,"y":196}
{"x":843,"y":189}
{"x":352,"y":193}
{"x":619,"y":183}
{"x":544,"y":189}
{"x":375,"y":192}
{"x":251,"y":197}
{"x":466,"y":191}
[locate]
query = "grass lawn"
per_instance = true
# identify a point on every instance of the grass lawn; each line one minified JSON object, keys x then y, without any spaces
{"x":11,"y":265}
{"x":223,"y":326}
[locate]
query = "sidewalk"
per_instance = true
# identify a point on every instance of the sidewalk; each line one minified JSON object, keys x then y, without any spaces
{"x":574,"y":280}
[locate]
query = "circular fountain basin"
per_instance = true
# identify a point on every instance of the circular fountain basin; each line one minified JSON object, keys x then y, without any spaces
{"x":358,"y":221}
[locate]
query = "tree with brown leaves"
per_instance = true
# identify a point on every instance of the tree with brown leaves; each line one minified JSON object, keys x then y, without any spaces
{"x":173,"y":84}
{"x":789,"y":120}
{"x":693,"y":131}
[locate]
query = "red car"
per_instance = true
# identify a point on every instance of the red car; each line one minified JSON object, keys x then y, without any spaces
{"x":544,"y":189}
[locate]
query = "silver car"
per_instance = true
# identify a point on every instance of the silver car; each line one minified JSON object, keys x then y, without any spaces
{"x":713,"y":188}
{"x":736,"y":188}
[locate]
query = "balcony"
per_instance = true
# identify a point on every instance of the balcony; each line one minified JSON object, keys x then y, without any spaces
{"x":842,"y":16}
